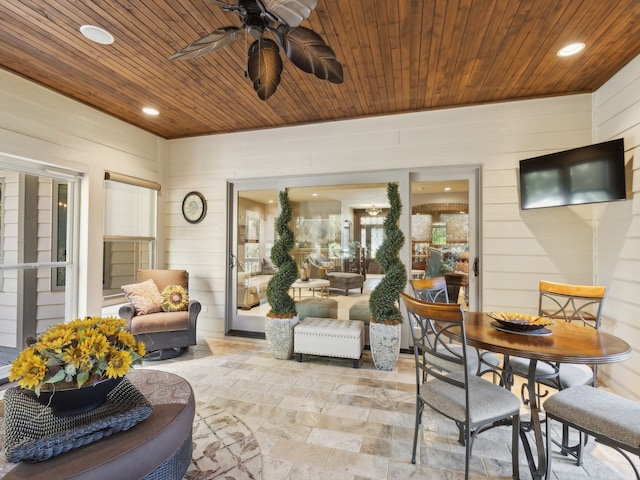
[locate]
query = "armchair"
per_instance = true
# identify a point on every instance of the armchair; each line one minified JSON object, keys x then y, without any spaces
{"x":166,"y":334}
{"x":320,"y":265}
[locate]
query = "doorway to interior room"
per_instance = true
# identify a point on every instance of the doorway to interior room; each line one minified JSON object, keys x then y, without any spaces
{"x":337,"y":219}
{"x":441,"y":237}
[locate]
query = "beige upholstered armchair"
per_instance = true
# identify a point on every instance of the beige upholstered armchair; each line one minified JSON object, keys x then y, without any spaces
{"x":159,"y":314}
{"x":320,"y":265}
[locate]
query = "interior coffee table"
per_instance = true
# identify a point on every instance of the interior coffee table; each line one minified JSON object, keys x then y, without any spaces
{"x":312,"y":284}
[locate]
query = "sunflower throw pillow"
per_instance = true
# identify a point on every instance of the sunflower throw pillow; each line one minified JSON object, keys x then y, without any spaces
{"x":175,"y":298}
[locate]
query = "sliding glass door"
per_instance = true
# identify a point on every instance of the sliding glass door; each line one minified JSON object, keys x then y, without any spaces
{"x":251,"y":236}
{"x":337,"y":224}
{"x":445,"y":233}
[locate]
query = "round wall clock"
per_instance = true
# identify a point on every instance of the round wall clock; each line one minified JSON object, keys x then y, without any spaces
{"x":194,"y":207}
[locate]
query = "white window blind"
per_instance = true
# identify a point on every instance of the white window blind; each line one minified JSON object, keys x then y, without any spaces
{"x":130,"y":210}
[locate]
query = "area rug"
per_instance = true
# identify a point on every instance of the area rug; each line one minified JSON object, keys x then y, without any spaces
{"x":223,"y":447}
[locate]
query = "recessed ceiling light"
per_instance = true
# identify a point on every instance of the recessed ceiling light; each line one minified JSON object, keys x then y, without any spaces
{"x":314,"y":194}
{"x":571,"y":49}
{"x":97,"y":34}
{"x":150,"y":111}
{"x":447,"y":189}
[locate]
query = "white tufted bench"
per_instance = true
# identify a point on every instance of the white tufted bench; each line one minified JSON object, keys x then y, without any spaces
{"x":329,"y":337}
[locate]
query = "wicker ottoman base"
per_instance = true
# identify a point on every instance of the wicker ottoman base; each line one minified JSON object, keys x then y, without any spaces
{"x":175,"y":466}
{"x":329,"y":337}
{"x":156,"y":448}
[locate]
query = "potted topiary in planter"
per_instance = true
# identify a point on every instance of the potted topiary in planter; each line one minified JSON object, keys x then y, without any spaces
{"x":384,"y":302}
{"x":283,"y":316}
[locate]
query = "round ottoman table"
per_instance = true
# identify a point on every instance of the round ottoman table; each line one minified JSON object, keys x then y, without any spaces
{"x":317,"y":307}
{"x":360,"y":311}
{"x":158,"y":447}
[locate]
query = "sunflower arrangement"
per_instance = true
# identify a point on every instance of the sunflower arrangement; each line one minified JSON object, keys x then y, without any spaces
{"x":81,"y":352}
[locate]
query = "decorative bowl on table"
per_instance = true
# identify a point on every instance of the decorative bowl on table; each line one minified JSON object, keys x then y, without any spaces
{"x":520,"y":322}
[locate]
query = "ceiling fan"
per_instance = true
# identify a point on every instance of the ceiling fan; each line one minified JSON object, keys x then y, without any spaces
{"x":275,"y":24}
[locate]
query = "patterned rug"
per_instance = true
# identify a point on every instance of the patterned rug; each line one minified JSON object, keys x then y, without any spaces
{"x":223,"y":447}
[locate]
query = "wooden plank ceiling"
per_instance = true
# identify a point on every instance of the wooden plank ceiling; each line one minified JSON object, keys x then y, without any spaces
{"x":398,"y":56}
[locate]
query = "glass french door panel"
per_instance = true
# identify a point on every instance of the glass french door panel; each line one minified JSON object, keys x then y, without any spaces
{"x":444,"y":230}
{"x":250,"y":268}
{"x":322,"y":219}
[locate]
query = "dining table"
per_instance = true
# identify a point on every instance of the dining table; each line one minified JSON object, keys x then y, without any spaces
{"x":561,"y":341}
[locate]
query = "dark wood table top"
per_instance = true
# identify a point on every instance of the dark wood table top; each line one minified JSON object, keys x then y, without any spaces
{"x":568,"y":343}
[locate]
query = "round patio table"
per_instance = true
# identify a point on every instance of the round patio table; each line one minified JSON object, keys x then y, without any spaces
{"x":567,"y":343}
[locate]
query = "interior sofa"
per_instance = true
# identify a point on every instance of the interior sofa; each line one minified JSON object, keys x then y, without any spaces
{"x":252,"y":289}
{"x":252,"y":286}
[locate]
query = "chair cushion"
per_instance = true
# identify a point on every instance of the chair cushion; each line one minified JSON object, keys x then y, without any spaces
{"x":599,"y":411}
{"x":144,"y":297}
{"x":570,"y":374}
{"x":160,"y":322}
{"x":488,"y":400}
{"x":175,"y":298}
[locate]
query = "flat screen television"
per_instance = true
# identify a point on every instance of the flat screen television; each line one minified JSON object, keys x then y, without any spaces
{"x":590,"y":174}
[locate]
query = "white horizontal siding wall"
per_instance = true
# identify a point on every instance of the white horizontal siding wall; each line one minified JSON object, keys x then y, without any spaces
{"x":40,"y":125}
{"x":519,"y":248}
{"x":9,"y":245}
{"x":617,"y":232}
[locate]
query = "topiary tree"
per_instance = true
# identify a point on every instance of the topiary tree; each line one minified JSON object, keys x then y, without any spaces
{"x":282,"y":305}
{"x":384,"y":302}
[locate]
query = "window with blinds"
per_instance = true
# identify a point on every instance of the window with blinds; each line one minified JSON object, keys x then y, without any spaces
{"x":129,"y":231}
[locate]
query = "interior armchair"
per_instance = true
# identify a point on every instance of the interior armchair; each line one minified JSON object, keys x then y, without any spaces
{"x":160,"y":312}
{"x":320,"y":265}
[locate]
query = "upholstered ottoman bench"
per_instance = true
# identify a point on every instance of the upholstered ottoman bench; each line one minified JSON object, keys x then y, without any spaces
{"x":345,"y":281}
{"x":329,"y":337}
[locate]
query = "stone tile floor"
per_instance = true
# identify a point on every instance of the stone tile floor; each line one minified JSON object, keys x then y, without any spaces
{"x":323,"y":419}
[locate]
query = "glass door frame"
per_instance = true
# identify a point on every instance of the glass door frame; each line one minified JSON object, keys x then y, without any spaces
{"x":472,"y":174}
{"x":403,"y":177}
{"x":233,"y":318}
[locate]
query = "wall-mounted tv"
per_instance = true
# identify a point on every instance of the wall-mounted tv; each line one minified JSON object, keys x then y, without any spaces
{"x":590,"y":174}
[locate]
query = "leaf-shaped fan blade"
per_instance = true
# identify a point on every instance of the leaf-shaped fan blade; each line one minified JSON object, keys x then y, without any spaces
{"x":291,"y":12}
{"x":216,"y":40}
{"x":264,"y":67}
{"x":308,"y":51}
